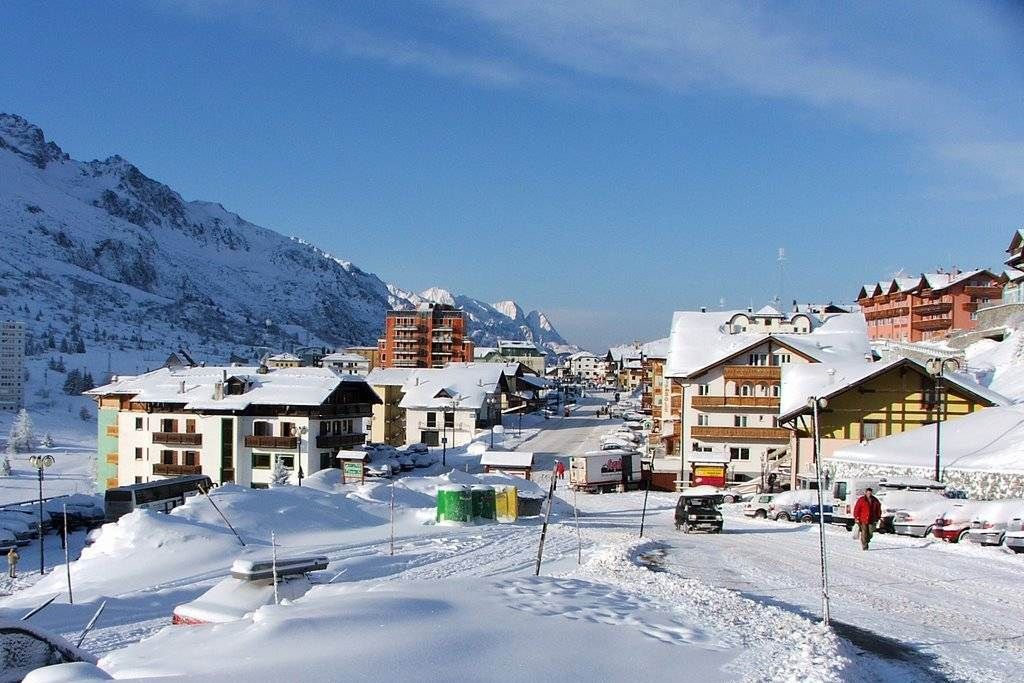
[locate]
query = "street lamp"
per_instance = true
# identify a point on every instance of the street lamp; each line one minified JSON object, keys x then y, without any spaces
{"x":41,"y":462}
{"x":491,"y":401}
{"x":936,"y":368}
{"x":816,"y":404}
{"x":298,"y":449}
{"x":444,"y":430}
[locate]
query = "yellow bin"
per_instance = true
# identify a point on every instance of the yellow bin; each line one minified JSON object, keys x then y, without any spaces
{"x":506,"y":503}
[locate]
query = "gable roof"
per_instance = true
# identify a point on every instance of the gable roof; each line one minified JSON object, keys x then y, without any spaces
{"x":700,"y":341}
{"x":828,"y":380}
{"x":389,"y":377}
{"x":470,"y":383}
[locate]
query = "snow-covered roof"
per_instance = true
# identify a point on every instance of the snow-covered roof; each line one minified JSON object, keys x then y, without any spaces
{"x":937,"y":281}
{"x":624,"y":352}
{"x":582,"y":354}
{"x":989,"y":440}
{"x":507,"y":459}
{"x":700,"y":340}
{"x":194,"y":386}
{"x":656,"y":349}
{"x":633,"y":365}
{"x":469,"y":383}
{"x":1012,"y":274}
{"x":284,"y":357}
{"x":803,"y":380}
{"x":516,"y":344}
{"x":389,"y":377}
{"x":769,"y":311}
{"x":484,"y":351}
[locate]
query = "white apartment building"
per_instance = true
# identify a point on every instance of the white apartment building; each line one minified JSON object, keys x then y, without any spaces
{"x":727,"y":367}
{"x":230,"y":423}
{"x":587,"y":367}
{"x":346,"y":363}
{"x":452,"y":402}
{"x":12,"y":365}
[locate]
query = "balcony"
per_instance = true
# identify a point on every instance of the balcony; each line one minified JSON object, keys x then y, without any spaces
{"x":283,"y":442}
{"x":740,"y":433}
{"x":932,"y":324}
{"x":984,"y":292}
{"x":735,"y":402}
{"x":340,"y":440}
{"x":345,"y":410}
{"x":934,"y":309}
{"x":178,"y":439}
{"x":175,"y":470}
{"x":754,"y":372}
{"x":407,"y":328}
{"x":878,"y":314}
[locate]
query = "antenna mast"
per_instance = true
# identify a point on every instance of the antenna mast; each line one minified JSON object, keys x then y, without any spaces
{"x":782,"y":271}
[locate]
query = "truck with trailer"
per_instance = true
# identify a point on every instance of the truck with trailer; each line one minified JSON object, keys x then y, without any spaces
{"x":611,"y":470}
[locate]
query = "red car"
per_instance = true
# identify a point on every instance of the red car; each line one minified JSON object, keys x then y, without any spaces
{"x":953,"y":524}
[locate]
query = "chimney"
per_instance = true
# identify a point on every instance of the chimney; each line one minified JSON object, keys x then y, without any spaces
{"x":181,"y":387}
{"x":703,"y":309}
{"x":750,"y":309}
{"x":831,"y":376}
{"x":223,"y":375}
{"x":218,"y":391}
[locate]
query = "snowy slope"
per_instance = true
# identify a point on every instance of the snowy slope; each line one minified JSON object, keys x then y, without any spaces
{"x":101,"y":242}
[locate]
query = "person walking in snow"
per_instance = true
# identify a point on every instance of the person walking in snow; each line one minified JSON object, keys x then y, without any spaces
{"x":560,"y":469}
{"x":12,"y":562}
{"x":866,"y":512}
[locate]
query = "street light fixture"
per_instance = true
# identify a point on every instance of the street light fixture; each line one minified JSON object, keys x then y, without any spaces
{"x":41,"y":462}
{"x":937,"y":368}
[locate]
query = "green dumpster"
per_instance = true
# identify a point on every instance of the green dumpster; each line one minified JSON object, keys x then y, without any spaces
{"x":484,"y":502}
{"x":454,"y":504}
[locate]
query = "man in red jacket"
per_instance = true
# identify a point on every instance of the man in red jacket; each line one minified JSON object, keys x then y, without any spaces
{"x":866,"y":512}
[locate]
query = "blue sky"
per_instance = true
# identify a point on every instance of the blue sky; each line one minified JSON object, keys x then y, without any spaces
{"x":605,"y":162}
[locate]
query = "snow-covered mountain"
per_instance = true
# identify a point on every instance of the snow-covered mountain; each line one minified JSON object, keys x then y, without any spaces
{"x":100,"y":252}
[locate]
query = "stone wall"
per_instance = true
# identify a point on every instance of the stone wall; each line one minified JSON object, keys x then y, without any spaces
{"x":978,"y":485}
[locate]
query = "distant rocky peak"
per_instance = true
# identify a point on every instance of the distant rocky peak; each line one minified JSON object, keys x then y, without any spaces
{"x":510,"y":309}
{"x":27,"y":140}
{"x":438,"y":295}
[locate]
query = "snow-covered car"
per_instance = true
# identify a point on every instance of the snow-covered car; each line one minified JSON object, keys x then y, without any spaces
{"x":405,"y":460}
{"x":919,"y":519}
{"x":250,"y":586}
{"x":993,"y":520}
{"x":634,"y":425}
{"x":418,"y":448}
{"x":953,"y":523}
{"x":615,"y":445}
{"x":893,"y":501}
{"x":1014,"y":541}
{"x":423,"y":459}
{"x":379,"y":468}
{"x":25,"y":647}
{"x":757,"y":507}
{"x":7,"y":540}
{"x":31,"y":517}
{"x":633,"y":416}
{"x":22,"y":528}
{"x":784,"y":506}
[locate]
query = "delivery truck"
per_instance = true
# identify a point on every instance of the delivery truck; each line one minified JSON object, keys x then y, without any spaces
{"x":599,"y":471}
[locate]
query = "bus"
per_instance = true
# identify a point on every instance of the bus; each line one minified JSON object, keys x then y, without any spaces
{"x":163,"y":495}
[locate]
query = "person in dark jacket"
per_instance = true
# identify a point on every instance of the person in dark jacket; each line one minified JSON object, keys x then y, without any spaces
{"x":866,"y":512}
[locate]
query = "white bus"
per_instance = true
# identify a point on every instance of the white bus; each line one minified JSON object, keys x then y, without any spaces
{"x":163,"y":495}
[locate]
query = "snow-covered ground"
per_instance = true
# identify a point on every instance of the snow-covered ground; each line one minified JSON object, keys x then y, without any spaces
{"x":463,"y":601}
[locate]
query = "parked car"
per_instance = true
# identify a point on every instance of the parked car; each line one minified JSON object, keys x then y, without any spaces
{"x":992,"y":521}
{"x":421,"y":459}
{"x":784,"y":505}
{"x":1015,"y":541}
{"x":810,"y":514}
{"x":758,"y":506}
{"x":920,"y":519}
{"x":895,"y":500}
{"x":953,"y":523}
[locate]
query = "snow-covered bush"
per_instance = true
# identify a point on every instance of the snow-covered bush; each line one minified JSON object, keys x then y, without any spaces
{"x":48,"y":440}
{"x":279,"y":475}
{"x":5,"y":465}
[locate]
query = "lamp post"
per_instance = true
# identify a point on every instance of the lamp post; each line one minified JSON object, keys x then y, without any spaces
{"x":41,"y":462}
{"x":444,"y":431}
{"x":817,"y":404}
{"x":298,"y":449}
{"x":491,"y":401}
{"x":936,"y":368}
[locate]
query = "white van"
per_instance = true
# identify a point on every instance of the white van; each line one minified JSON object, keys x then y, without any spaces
{"x":845,"y":492}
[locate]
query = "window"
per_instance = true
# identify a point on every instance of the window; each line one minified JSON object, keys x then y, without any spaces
{"x":336,"y":427}
{"x":702,"y":420}
{"x":739,"y":454}
{"x":703,"y":390}
{"x":449,"y":420}
{"x":431,"y":419}
{"x":698,"y":448}
{"x":138,"y":454}
{"x":326,"y":461}
{"x":287,"y":460}
{"x":168,"y":425}
{"x":758,"y":359}
{"x":775,"y":390}
{"x":168,"y":458}
{"x":190,"y":426}
{"x":870,"y":430}
{"x":190,"y":458}
{"x":739,"y":420}
{"x":138,"y":424}
{"x":262,"y":428}
{"x":138,"y":480}
{"x":287,"y":429}
{"x":325,"y":428}
{"x":781,"y":358}
{"x":261,"y":461}
{"x":745,"y":390}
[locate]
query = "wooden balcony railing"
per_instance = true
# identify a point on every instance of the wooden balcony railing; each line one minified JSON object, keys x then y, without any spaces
{"x":178,"y":439}
{"x":340,"y":440}
{"x":894,"y":312}
{"x":176,"y":470}
{"x":934,"y":309}
{"x":769,"y":372}
{"x":284,"y":442}
{"x":932,"y":324}
{"x":112,"y":430}
{"x":740,"y":433}
{"x":984,"y":292}
{"x":735,"y":402}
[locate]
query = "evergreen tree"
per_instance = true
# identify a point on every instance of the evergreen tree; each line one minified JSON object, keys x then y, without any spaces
{"x":48,"y":440}
{"x":279,"y":475}
{"x":5,"y":466}
{"x":80,"y":346}
{"x":64,"y":348}
{"x":87,"y":382}
{"x":22,"y":438}
{"x":73,"y":383}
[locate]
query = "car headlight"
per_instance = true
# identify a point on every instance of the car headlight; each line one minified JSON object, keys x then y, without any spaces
{"x":691,"y":517}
